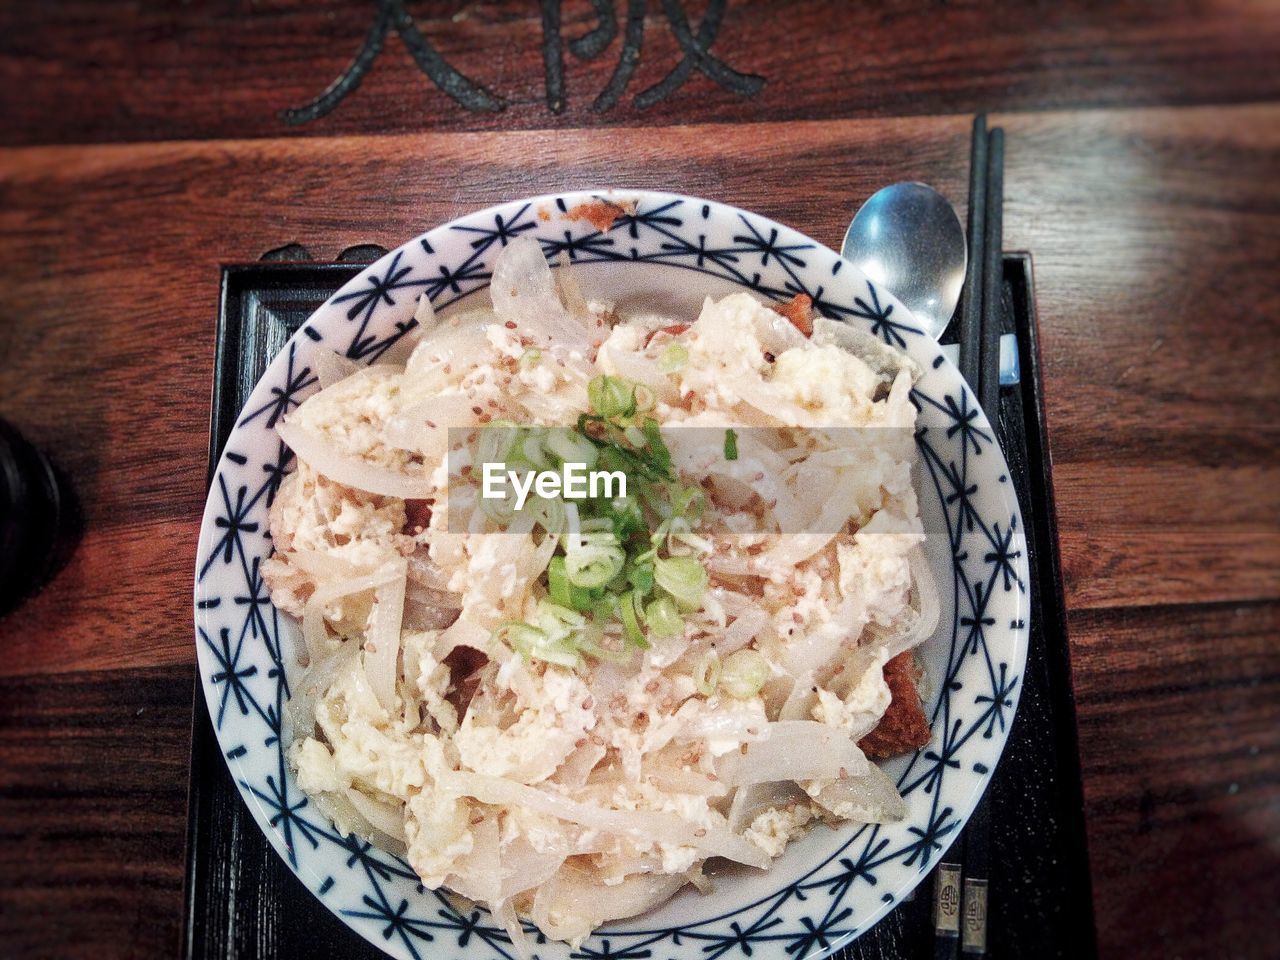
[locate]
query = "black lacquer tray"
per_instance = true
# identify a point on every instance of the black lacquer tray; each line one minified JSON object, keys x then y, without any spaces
{"x":243,"y":902}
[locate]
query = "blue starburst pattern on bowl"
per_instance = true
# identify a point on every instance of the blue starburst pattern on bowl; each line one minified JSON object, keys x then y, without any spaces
{"x":827,"y":888}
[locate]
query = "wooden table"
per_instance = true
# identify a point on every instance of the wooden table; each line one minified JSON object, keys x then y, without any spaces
{"x":143,"y":145}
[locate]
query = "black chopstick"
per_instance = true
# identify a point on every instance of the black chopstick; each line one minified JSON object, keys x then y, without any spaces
{"x":977,"y":849}
{"x":947,"y":877}
{"x":971,"y":308}
{"x":977,"y":834}
{"x":960,"y":913}
{"x":992,"y":281}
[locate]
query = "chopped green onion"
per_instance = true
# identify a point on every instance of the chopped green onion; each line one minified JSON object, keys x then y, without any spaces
{"x":744,"y":673}
{"x":673,"y":358}
{"x":534,"y":450}
{"x":640,"y":576}
{"x":635,"y":436}
{"x":547,"y":511}
{"x":687,"y":501}
{"x":534,"y":644}
{"x":683,"y":578}
{"x":597,"y":561}
{"x":589,"y":643}
{"x":660,"y":455}
{"x":571,"y":447}
{"x":611,"y":396}
{"x":558,"y":620}
{"x":706,"y":674}
{"x":646,"y":399}
{"x":625,"y":515}
{"x":530,"y":358}
{"x":605,"y":608}
{"x":630,"y":621}
{"x":500,"y":511}
{"x":663,"y":618}
{"x":731,"y":444}
{"x":562,"y":591}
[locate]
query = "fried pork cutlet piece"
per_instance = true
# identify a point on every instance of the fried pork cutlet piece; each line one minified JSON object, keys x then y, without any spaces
{"x":799,"y":310}
{"x":903,"y":728}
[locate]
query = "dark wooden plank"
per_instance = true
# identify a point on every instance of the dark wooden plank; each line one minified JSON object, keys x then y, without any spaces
{"x":1180,"y":738}
{"x":85,"y":71}
{"x":93,"y":786}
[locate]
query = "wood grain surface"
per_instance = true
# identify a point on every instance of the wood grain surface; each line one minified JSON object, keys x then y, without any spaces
{"x":1155,"y":229}
{"x":155,"y":70}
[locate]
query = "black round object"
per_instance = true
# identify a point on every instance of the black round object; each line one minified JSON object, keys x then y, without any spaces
{"x":34,"y":515}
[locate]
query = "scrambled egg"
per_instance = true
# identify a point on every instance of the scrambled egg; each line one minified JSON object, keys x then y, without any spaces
{"x":773,"y":829}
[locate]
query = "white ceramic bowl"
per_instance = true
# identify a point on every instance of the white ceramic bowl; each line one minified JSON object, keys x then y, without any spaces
{"x":828,"y":887}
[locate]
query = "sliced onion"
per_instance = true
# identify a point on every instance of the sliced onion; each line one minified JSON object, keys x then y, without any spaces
{"x":673,"y":778}
{"x":573,"y":903}
{"x":751,"y":801}
{"x":333,"y":368}
{"x":524,"y":292}
{"x":311,"y":686}
{"x":745,"y":628}
{"x":350,"y":471}
{"x":726,"y":725}
{"x":800,"y":700}
{"x":464,"y":633}
{"x":570,"y":290}
{"x":424,"y":571}
{"x":398,"y":353}
{"x":505,"y":913}
{"x":866,"y":346}
{"x":639,"y":368}
{"x":313,"y":629}
{"x":382,"y":643}
{"x":794,"y":750}
{"x":813,"y":651}
{"x":477,"y":874}
{"x":321,"y":566}
{"x":454,"y":343}
{"x":382,"y":816}
{"x":644,"y":824}
{"x":337,"y":808}
{"x":925,"y":594}
{"x":577,"y":767}
{"x":869,"y":797}
{"x":524,"y":868}
{"x":424,"y":426}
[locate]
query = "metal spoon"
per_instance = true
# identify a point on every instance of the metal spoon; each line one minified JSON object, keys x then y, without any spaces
{"x":908,"y":238}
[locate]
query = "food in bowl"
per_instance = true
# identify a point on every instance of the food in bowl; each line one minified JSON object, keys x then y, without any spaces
{"x":563,"y":707}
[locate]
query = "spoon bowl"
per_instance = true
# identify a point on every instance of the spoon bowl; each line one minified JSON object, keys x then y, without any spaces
{"x":908,"y":238}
